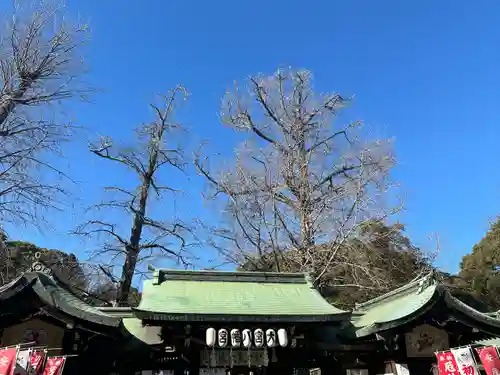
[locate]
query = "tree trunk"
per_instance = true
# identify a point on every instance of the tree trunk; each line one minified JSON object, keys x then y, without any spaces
{"x":7,"y":105}
{"x":133,"y":249}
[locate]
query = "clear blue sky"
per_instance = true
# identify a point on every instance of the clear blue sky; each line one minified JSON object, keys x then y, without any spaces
{"x":426,"y":72}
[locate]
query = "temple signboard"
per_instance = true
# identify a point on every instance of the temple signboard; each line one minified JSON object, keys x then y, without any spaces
{"x":425,"y":340}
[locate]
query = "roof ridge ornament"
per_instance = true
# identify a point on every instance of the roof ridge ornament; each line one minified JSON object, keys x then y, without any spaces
{"x":38,"y":266}
{"x":426,"y":282}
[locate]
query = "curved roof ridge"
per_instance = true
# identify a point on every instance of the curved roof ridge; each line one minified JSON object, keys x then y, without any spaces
{"x":11,"y":283}
{"x":403,"y":307}
{"x":461,"y":306}
{"x":414,"y":286}
{"x":56,"y":294}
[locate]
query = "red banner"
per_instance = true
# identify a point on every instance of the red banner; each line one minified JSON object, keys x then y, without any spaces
{"x":8,"y":360}
{"x":36,"y":362}
{"x":490,"y":360}
{"x":54,"y":366}
{"x":447,"y":364}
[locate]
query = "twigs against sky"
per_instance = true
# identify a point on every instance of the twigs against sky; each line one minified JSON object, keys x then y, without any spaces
{"x":302,"y":184}
{"x":40,"y":69}
{"x":154,"y":155}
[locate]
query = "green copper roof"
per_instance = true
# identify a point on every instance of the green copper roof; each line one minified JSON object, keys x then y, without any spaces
{"x":149,"y":335}
{"x":134,"y":333}
{"x":412,"y":300}
{"x":55,"y":295}
{"x":243,"y":296}
{"x":396,"y":305}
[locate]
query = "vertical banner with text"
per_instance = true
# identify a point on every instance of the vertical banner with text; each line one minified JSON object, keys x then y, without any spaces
{"x":37,"y":361}
{"x":446,"y":364}
{"x":54,"y":366}
{"x":490,"y":360}
{"x":8,"y":360}
{"x":465,"y":361}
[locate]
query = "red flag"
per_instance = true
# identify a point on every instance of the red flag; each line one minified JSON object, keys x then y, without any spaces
{"x":54,"y":365}
{"x":36,"y":362}
{"x":447,"y":364}
{"x":8,"y":360}
{"x":490,"y":360}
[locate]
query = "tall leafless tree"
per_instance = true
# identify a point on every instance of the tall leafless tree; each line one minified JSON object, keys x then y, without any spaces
{"x":302,"y":183}
{"x":149,"y":238}
{"x":40,"y":67}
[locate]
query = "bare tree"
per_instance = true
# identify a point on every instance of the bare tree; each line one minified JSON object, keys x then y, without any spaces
{"x":302,"y":184}
{"x":39,"y":70}
{"x":149,"y":238}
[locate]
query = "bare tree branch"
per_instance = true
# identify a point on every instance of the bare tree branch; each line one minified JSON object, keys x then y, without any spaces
{"x":149,"y":238}
{"x":40,"y":68}
{"x":302,"y":185}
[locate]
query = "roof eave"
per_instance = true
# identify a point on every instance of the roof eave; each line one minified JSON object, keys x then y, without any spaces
{"x":460,"y":311}
{"x":16,"y":286}
{"x":470,"y":316}
{"x":47,"y":298}
{"x":32,"y":281}
{"x":118,"y":311}
{"x":202,"y":317}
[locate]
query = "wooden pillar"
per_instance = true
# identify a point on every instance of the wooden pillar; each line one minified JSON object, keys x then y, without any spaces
{"x":68,"y":342}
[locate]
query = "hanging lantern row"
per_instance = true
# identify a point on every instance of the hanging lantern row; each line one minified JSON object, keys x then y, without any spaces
{"x":236,"y":338}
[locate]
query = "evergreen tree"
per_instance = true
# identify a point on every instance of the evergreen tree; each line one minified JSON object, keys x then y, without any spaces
{"x":481,"y":268}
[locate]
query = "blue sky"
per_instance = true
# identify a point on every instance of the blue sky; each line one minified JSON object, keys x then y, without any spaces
{"x":426,"y":72}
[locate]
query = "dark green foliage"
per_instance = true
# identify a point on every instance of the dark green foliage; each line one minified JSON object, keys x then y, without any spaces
{"x":378,"y":259}
{"x":386,"y":260}
{"x":480,"y":269}
{"x":17,"y":257}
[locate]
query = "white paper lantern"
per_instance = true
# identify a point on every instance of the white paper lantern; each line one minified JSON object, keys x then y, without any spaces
{"x":222,"y":338}
{"x":271,"y":339}
{"x":210,"y":337}
{"x":258,"y":337}
{"x":282,"y":337}
{"x":247,"y":338}
{"x":235,"y":338}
